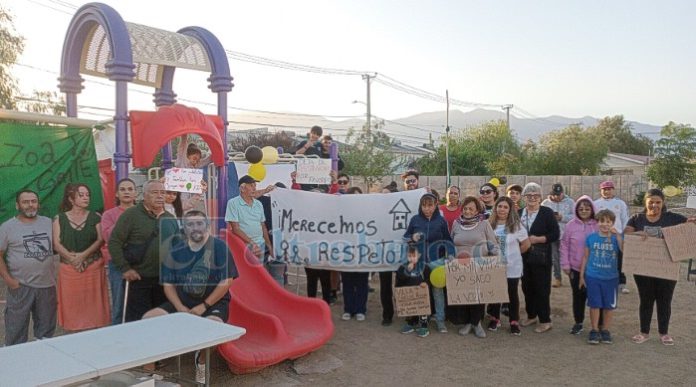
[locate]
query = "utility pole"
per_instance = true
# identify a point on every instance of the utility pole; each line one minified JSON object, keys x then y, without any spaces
{"x":507,"y":118}
{"x":507,"y":113}
{"x":368,"y":78}
{"x":447,"y":131}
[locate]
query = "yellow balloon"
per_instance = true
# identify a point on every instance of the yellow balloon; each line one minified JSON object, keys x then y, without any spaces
{"x":257,"y":171}
{"x":270,"y":155}
{"x":437,"y":277}
{"x":671,"y":190}
{"x":494,"y":181}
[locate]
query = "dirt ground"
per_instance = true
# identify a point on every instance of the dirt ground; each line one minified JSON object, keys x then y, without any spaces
{"x":365,"y":353}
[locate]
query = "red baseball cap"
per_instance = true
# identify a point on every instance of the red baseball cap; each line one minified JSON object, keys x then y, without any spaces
{"x":606,"y":184}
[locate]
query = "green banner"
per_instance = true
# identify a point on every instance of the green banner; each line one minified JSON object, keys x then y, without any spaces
{"x":45,"y":159}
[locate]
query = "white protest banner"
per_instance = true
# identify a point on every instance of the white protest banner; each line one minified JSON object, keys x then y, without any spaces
{"x":480,"y":280}
{"x":342,"y":232}
{"x":648,"y":257}
{"x":313,"y":171}
{"x":412,"y":301}
{"x":183,"y":180}
{"x":680,"y":241}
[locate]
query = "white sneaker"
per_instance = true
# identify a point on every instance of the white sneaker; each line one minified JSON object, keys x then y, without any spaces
{"x":479,"y":331}
{"x":360,"y":317}
{"x":345,"y":316}
{"x":624,"y":289}
{"x":200,"y":369}
{"x":200,"y":373}
{"x":465,"y":330}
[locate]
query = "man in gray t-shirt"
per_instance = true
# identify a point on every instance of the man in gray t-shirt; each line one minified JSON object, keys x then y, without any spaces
{"x":28,"y":269}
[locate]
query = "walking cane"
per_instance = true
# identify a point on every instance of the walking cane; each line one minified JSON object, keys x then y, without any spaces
{"x":125,"y":303}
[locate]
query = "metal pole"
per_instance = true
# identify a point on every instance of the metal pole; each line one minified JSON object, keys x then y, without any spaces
{"x":368,"y":78}
{"x":447,"y":130}
{"x":507,"y":114}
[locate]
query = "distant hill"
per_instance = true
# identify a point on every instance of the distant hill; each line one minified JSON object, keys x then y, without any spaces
{"x":416,"y":129}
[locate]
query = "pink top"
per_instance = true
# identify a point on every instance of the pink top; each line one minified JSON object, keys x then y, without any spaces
{"x":450,"y":216}
{"x":108,"y":221}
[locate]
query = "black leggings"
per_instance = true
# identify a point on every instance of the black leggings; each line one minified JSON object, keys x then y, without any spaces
{"x":579,"y":297}
{"x":653,"y":291}
{"x":512,"y":284}
{"x":324,"y":277}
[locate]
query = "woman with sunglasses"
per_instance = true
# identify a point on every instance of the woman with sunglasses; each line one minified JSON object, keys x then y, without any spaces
{"x":489,"y":194}
{"x":343,"y":182}
{"x":542,"y":228}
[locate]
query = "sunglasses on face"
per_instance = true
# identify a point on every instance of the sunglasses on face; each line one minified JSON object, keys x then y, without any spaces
{"x":342,"y":182}
{"x":485,"y":191}
{"x":411,"y":181}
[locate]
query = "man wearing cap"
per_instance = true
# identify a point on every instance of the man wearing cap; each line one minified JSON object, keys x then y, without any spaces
{"x":563,"y":207}
{"x":607,"y":201}
{"x":246,"y":218}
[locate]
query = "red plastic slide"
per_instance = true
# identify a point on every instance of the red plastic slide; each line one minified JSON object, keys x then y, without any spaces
{"x":280,"y":325}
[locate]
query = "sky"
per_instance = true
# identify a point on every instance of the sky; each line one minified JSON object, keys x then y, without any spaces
{"x":568,"y":58}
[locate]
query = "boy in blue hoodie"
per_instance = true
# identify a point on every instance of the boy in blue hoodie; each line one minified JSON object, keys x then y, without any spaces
{"x":428,"y":230}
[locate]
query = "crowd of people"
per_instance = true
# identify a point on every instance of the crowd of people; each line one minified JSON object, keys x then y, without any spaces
{"x":543,"y":236}
{"x":540,"y":240}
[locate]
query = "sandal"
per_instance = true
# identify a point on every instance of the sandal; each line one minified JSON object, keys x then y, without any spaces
{"x":639,"y":338}
{"x":666,"y":340}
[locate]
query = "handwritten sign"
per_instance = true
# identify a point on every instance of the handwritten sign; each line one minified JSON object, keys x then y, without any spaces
{"x":45,"y":159}
{"x":313,"y":171}
{"x":691,"y":196}
{"x":342,"y":232}
{"x":476,"y":281}
{"x":649,"y":257}
{"x":183,"y":180}
{"x":680,"y":241}
{"x":412,"y":301}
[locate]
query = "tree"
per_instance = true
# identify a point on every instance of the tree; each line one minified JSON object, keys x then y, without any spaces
{"x":488,"y":148}
{"x":11,"y":47}
{"x":44,"y":102}
{"x":620,"y":138}
{"x":569,"y":151}
{"x":675,"y":156}
{"x":367,"y":155}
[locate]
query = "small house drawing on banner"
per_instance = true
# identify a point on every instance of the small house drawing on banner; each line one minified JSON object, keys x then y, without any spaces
{"x":400,"y":213}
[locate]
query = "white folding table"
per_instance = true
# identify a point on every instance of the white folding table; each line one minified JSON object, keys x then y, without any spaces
{"x":82,"y":356}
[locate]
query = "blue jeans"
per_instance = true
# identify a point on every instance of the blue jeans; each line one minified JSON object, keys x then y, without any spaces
{"x":439,"y":300}
{"x":438,"y":293}
{"x":116,"y":285}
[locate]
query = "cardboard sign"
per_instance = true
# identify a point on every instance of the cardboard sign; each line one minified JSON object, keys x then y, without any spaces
{"x":412,"y":301}
{"x":313,"y":171}
{"x":649,"y":257}
{"x":680,"y":241}
{"x":476,"y":281}
{"x":183,"y":180}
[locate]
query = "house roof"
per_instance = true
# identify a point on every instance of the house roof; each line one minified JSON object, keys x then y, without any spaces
{"x":400,"y":207}
{"x":637,"y":159}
